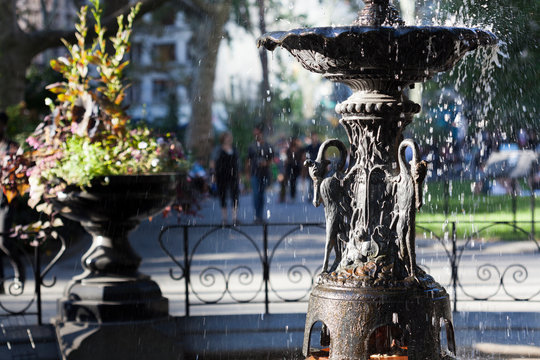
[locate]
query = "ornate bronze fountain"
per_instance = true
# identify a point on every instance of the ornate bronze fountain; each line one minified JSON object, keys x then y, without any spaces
{"x":374,"y":300}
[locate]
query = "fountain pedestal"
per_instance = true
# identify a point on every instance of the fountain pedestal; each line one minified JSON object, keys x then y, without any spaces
{"x":370,"y":320}
{"x":374,"y":300}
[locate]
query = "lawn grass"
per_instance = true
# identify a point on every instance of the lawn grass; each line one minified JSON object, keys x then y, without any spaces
{"x":472,"y":212}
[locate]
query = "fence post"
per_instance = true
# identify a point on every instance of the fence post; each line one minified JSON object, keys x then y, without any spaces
{"x":187,"y":269}
{"x":37,"y":280}
{"x":454,"y":265}
{"x":266,"y":269}
{"x":514,"y":203}
{"x":446,"y":197}
{"x":531,"y":182}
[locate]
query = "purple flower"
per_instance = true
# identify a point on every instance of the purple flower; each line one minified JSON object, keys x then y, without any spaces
{"x":32,"y":141}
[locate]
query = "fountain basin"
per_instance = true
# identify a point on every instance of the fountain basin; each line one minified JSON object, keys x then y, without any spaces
{"x":407,"y":53}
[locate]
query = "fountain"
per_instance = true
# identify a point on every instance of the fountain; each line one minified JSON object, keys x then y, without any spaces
{"x":373,"y":301}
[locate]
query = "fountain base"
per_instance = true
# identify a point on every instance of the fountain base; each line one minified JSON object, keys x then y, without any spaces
{"x":362,"y":323}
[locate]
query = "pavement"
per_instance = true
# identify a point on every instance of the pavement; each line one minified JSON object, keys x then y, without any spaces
{"x":226,"y":267}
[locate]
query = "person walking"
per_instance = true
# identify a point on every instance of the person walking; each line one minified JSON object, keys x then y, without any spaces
{"x":260,"y":157}
{"x":293,"y":165}
{"x":224,"y":165}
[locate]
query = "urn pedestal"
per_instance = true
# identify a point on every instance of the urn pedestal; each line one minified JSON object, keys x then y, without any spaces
{"x":112,"y":310}
{"x":111,"y":288}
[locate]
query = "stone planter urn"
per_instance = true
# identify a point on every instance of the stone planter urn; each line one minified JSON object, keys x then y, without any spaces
{"x":111,"y":289}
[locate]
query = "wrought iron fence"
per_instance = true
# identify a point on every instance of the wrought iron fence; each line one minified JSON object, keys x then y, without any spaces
{"x":496,"y":278}
{"x":20,"y":289}
{"x":279,"y":263}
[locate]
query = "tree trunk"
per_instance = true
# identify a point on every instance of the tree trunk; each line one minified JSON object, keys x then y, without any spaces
{"x":265,"y":95}
{"x":13,"y":63}
{"x":207,"y":36}
{"x":12,"y":76}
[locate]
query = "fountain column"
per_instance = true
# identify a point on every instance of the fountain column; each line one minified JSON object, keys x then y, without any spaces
{"x":374,"y":118}
{"x":376,"y":301}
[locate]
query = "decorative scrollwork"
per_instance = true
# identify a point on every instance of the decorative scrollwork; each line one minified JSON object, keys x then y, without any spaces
{"x":53,"y":262}
{"x":502,"y":277}
{"x":519,"y":275}
{"x":163,"y":231}
{"x":289,"y":276}
{"x":208,"y":279}
{"x":246,"y":277}
{"x":16,"y":287}
{"x":16,"y":284}
{"x":484,"y":273}
{"x":229,"y":281}
{"x":14,"y":278}
{"x":295,"y":273}
{"x":298,"y":274}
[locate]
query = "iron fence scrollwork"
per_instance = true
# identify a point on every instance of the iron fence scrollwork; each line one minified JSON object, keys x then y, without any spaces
{"x":25,"y":252}
{"x":248,"y":264}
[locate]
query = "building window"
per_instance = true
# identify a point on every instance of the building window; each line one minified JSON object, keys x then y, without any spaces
{"x":161,"y":89}
{"x":136,"y":52}
{"x":164,"y":53}
{"x":134,"y":93}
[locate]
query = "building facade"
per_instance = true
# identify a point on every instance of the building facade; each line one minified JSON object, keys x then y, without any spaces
{"x":159,"y":69}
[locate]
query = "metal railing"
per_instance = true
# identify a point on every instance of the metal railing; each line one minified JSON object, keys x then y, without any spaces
{"x":21,"y":289}
{"x":505,"y":277}
{"x":279,"y":263}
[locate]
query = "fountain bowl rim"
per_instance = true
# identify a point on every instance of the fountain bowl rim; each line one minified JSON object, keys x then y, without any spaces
{"x":273,"y":39}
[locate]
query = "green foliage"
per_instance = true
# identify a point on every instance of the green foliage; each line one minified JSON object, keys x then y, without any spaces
{"x":501,"y":98}
{"x":168,"y":123}
{"x":137,"y":153}
{"x":243,"y":116}
{"x":22,"y":122}
{"x":470,"y":209}
{"x":76,"y":69}
{"x":241,"y":14}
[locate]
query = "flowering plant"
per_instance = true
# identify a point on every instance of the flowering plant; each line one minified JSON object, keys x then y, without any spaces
{"x":88,"y":132}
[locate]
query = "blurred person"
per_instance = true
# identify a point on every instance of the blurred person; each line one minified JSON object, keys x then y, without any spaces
{"x":293,"y":164}
{"x":7,"y":244}
{"x":523,"y":139}
{"x":224,"y":165}
{"x":260,"y":157}
{"x":281,"y":178}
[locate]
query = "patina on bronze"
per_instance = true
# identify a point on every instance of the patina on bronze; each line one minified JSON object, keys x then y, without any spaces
{"x":374,"y":299}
